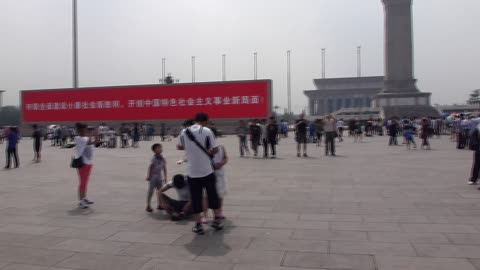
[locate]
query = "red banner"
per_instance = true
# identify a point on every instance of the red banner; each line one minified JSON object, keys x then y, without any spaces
{"x":248,"y":99}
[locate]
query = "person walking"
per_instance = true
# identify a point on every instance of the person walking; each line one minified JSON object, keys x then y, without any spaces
{"x":84,"y":149}
{"x":425,"y":132}
{"x":319,"y":131}
{"x":37,"y":143}
{"x":242,"y":132}
{"x":200,"y":147}
{"x":301,"y":134}
{"x":475,"y":146}
{"x":255,"y":136}
{"x":393,"y":128}
{"x":12,"y":142}
{"x":136,"y":135}
{"x":330,"y":127}
{"x":340,"y":127}
{"x":272,"y":136}
{"x":264,"y":139}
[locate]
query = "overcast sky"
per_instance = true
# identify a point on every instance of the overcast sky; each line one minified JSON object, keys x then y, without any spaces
{"x":122,"y":42}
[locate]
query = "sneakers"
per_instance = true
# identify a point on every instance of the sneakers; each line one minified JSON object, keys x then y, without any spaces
{"x":83,"y":205}
{"x":198,"y":229}
{"x":175,"y":216}
{"x":472,"y":183}
{"x":298,"y":154}
{"x":87,"y":201}
{"x":305,"y":155}
{"x":149,"y":209}
{"x":217,"y":224}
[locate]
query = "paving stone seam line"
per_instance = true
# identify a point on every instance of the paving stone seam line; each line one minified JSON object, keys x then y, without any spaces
{"x":73,"y":254}
{"x":251,"y":239}
{"x":449,"y":239}
{"x":375,"y":265}
{"x":473,"y":263}
{"x":151,"y":259}
{"x":417,"y":254}
{"x":284,"y":255}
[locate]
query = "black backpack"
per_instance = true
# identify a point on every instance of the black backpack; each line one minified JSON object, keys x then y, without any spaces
{"x":474,"y":142}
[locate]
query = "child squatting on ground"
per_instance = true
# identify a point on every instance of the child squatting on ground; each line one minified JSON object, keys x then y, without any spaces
{"x":181,"y":208}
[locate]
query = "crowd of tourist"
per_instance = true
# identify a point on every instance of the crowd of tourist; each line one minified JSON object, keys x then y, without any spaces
{"x":204,"y":184}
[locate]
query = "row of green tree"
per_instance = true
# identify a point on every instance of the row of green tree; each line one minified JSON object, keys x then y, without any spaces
{"x":10,"y":116}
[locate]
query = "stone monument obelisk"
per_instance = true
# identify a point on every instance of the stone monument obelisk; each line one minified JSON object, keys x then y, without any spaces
{"x":400,"y":96}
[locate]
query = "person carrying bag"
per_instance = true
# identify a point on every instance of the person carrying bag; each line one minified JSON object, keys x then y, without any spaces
{"x":200,"y":146}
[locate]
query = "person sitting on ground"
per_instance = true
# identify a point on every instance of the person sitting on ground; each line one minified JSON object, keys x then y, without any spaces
{"x":177,"y":209}
{"x":154,"y":178}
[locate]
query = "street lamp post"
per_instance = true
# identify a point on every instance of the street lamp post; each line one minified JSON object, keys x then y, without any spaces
{"x":224,"y":68}
{"x":75,"y":43}
{"x":289,"y":84}
{"x":255,"y":66}
{"x":323,"y":63}
{"x":163,"y":70}
{"x":359,"y":61}
{"x":193,"y":69}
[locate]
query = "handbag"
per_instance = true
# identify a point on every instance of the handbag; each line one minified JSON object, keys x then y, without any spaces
{"x":77,"y":163}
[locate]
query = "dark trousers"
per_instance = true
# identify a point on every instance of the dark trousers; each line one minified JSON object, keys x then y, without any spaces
{"x":393,"y":140}
{"x":255,"y":144}
{"x":243,"y":145}
{"x":425,"y":142}
{"x":330,"y":143}
{"x":12,"y":153}
{"x":37,"y":146}
{"x":265,"y":147}
{"x":475,"y":166}
{"x":272,"y":147}
{"x":174,"y":205}
{"x":197,"y":185}
{"x":461,"y":140}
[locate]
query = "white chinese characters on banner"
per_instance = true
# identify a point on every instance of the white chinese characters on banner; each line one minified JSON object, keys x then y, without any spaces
{"x":75,"y":105}
{"x":142,"y":103}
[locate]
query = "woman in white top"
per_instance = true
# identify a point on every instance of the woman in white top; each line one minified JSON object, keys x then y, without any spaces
{"x":219,"y":161}
{"x":84,"y":149}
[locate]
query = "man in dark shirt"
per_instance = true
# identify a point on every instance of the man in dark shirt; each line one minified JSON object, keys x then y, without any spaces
{"x":272,"y":135}
{"x":255,"y":135}
{"x":37,"y":143}
{"x":242,"y":132}
{"x":301,"y":134}
{"x":12,"y":139}
{"x":393,"y":131}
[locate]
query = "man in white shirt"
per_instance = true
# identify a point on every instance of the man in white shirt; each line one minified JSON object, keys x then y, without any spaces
{"x":200,"y":146}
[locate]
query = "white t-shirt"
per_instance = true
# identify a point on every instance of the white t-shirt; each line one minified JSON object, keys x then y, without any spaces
{"x":217,"y":159}
{"x":182,"y":193}
{"x":83,"y":149}
{"x":199,"y":164}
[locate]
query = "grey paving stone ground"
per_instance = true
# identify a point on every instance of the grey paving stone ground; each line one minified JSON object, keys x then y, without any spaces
{"x":371,"y":207}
